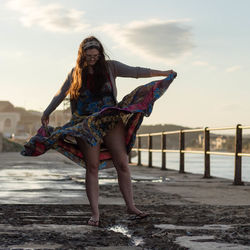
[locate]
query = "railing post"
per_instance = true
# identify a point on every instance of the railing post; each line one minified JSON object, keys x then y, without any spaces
{"x":182,"y":147}
{"x":163,"y":154}
{"x":1,"y":142}
{"x":149,"y":153}
{"x":129,"y":157}
{"x":138,"y":150}
{"x":238,"y":149}
{"x":206,"y":155}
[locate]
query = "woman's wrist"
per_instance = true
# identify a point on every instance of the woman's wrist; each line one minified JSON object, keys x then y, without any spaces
{"x":160,"y":72}
{"x":157,"y":72}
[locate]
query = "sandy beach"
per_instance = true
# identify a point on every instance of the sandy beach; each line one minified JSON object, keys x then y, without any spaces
{"x":43,"y":206}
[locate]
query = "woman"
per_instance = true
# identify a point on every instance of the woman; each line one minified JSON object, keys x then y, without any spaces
{"x":103,"y":129}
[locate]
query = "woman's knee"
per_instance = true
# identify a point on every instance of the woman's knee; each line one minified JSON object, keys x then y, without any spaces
{"x":122,"y":166}
{"x":92,"y":167}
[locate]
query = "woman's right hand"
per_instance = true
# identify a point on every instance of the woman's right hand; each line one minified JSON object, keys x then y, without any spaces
{"x":45,"y":120}
{"x":168,"y":72}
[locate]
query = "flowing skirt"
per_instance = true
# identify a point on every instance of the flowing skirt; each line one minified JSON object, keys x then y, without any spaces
{"x":93,"y":128}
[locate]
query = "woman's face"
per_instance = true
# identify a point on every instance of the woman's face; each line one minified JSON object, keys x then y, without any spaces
{"x":92,"y":56}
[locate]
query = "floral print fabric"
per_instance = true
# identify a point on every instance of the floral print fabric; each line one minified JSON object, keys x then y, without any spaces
{"x":94,"y":118}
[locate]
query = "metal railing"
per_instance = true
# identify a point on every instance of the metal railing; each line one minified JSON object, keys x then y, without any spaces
{"x":206,"y":150}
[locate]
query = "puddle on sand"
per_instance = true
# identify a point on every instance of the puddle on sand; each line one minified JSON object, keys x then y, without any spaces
{"x":102,"y":181}
{"x":150,"y":179}
{"x":47,"y":185}
{"x":36,"y":185}
{"x":112,"y":180}
{"x":135,"y":241}
{"x":207,"y":242}
{"x":211,"y":227}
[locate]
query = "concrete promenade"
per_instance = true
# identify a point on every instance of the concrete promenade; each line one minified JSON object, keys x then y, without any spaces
{"x":43,"y":205}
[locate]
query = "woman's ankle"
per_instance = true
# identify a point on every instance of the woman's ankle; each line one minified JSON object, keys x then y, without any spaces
{"x":95,"y":216}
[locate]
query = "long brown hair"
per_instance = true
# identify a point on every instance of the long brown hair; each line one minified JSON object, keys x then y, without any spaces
{"x":79,"y":76}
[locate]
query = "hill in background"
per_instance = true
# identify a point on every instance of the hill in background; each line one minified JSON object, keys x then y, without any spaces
{"x":172,"y":141}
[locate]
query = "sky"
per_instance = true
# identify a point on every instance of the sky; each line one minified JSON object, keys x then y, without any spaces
{"x":205,"y":42}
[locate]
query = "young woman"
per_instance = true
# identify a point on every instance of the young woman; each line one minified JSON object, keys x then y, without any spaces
{"x":103,"y":129}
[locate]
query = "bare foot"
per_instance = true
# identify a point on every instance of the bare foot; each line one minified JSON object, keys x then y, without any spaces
{"x":137,"y":214}
{"x":93,"y":222}
{"x":133,"y":210}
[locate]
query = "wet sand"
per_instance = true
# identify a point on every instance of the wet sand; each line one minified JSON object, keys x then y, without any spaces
{"x":43,"y":206}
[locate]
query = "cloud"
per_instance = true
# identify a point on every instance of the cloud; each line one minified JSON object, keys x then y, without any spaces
{"x":165,"y":41}
{"x":233,"y":68}
{"x":154,"y":39}
{"x":51,"y":17}
{"x":200,"y":63}
{"x":203,"y":65}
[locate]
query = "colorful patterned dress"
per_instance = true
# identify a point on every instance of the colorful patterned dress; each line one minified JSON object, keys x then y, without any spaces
{"x":94,"y":117}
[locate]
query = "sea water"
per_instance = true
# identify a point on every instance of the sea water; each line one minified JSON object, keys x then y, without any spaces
{"x":220,"y":165}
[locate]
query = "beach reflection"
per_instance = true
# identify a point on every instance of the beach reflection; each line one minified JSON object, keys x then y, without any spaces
{"x":21,"y":185}
{"x":44,"y":182}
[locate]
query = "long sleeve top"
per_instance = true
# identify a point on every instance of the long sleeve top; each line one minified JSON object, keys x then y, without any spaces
{"x":115,"y":69}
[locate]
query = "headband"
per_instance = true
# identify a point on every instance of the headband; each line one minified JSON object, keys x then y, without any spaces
{"x":92,"y":43}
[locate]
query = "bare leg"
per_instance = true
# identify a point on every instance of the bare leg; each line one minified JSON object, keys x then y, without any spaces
{"x":91,"y":156}
{"x":115,"y":141}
